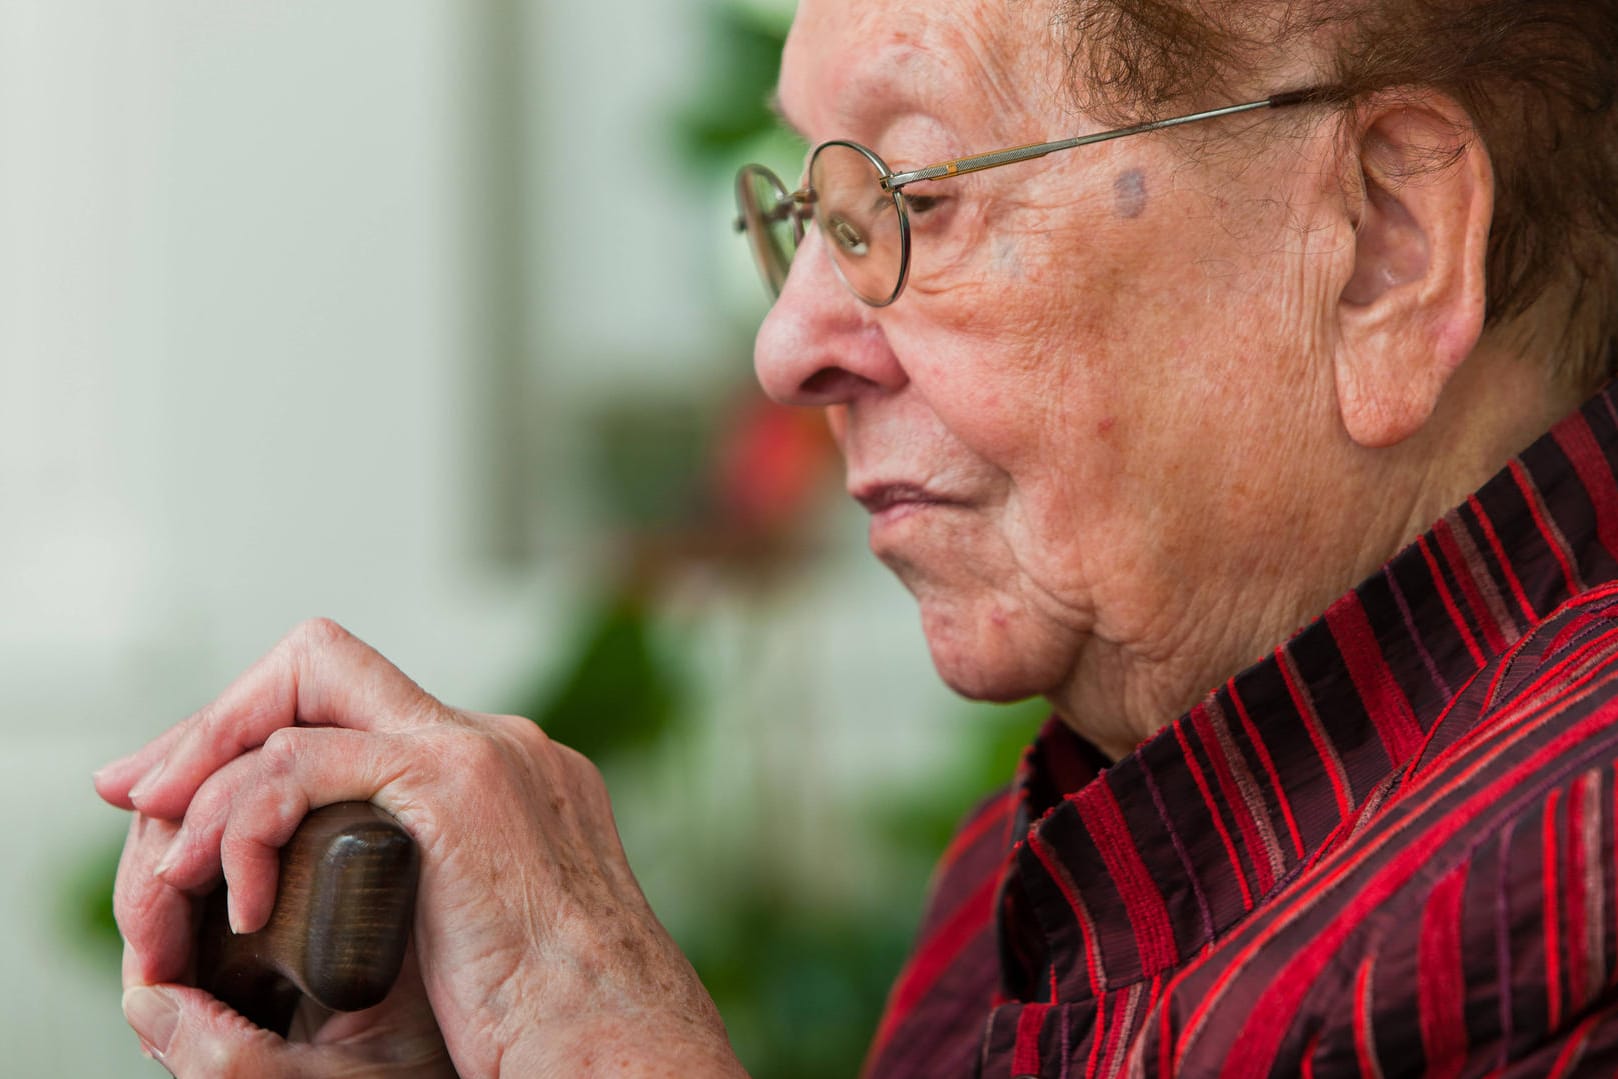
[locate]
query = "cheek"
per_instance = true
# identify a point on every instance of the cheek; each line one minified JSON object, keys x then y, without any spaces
{"x":1072,"y":375}
{"x":1034,"y":389}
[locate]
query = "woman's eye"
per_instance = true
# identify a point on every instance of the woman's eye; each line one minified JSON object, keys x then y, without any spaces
{"x":920,"y":204}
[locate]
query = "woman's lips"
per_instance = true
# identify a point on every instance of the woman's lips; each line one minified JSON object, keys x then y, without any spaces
{"x":889,"y":501}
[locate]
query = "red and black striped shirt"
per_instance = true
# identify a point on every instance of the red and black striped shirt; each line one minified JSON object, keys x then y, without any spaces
{"x":1387,"y":849}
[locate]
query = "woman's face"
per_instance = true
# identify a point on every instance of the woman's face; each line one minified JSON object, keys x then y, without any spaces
{"x":1087,"y":430}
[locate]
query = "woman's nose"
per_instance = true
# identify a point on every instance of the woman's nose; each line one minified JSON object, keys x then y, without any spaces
{"x":820,"y":345}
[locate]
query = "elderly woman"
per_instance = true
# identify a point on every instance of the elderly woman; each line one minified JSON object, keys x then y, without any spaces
{"x":1126,"y":412}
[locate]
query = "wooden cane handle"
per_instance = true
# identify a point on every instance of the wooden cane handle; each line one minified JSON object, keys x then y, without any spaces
{"x":343,"y":908}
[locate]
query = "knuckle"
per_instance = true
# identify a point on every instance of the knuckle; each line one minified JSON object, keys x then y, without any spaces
{"x":524,"y":740}
{"x":524,"y":732}
{"x":578,"y":773}
{"x":576,"y":764}
{"x":469,"y":756}
{"x":589,"y":779}
{"x":528,"y":746}
{"x":211,"y":801}
{"x":278,"y":756}
{"x":315,"y":634}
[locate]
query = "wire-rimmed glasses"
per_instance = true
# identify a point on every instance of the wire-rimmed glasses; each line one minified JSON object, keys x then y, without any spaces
{"x":859,"y":203}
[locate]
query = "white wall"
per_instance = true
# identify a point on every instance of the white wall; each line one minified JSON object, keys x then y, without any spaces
{"x":231,"y":313}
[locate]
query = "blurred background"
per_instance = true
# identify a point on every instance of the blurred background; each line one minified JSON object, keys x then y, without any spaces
{"x":427,"y":315}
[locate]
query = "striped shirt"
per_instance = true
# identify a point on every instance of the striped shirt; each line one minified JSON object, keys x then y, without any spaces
{"x":1387,"y":849}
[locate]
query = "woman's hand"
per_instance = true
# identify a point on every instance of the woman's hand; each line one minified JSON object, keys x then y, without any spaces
{"x":537,"y":952}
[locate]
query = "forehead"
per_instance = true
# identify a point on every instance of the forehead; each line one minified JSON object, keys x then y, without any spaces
{"x":858,"y":60}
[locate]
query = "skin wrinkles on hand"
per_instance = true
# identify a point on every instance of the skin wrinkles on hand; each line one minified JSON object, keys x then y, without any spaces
{"x":520,"y":865}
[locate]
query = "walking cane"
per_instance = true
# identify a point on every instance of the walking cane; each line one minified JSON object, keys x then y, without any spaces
{"x":344,"y":903}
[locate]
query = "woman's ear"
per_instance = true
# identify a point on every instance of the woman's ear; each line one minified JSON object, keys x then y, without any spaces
{"x":1412,"y":308}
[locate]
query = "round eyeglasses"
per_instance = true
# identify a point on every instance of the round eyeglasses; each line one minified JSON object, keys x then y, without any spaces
{"x":865,"y":223}
{"x":858,"y":203}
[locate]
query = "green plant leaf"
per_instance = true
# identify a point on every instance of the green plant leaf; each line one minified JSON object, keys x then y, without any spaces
{"x":616,"y":693}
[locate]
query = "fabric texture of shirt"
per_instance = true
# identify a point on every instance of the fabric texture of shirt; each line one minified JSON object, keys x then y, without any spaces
{"x":1386,"y":849}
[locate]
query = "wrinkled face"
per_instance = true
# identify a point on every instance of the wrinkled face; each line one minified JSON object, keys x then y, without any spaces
{"x":1069,"y":428}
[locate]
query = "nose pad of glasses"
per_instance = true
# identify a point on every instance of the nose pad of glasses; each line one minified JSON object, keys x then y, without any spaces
{"x":849,"y":238}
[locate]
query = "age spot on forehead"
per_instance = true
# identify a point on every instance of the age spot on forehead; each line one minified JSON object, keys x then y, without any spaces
{"x":1129,"y":194}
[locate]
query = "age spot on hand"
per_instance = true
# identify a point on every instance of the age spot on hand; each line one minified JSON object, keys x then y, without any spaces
{"x":1129,"y":194}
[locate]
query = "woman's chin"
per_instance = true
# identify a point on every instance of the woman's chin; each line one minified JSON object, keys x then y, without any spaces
{"x":985,"y":658}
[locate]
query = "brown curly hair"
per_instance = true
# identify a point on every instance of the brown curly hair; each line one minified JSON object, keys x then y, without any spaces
{"x":1538,"y":78}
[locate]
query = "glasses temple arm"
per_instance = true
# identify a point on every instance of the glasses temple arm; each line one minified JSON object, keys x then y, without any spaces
{"x":996,"y":158}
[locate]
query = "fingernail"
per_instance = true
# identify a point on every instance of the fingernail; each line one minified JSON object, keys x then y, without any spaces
{"x":107,"y":771}
{"x":147,"y":782}
{"x":154,"y":1014}
{"x":170,"y":859}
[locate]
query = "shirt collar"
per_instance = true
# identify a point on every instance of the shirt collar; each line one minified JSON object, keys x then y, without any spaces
{"x":1146,"y":862}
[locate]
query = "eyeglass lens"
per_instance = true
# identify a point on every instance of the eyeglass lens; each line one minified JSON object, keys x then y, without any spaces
{"x":860,"y":221}
{"x":772,"y":223}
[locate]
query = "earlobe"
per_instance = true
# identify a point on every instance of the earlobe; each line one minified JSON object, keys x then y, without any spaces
{"x":1411,"y":307}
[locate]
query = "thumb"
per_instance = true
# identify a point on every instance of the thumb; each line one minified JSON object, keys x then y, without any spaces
{"x":191,"y":1033}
